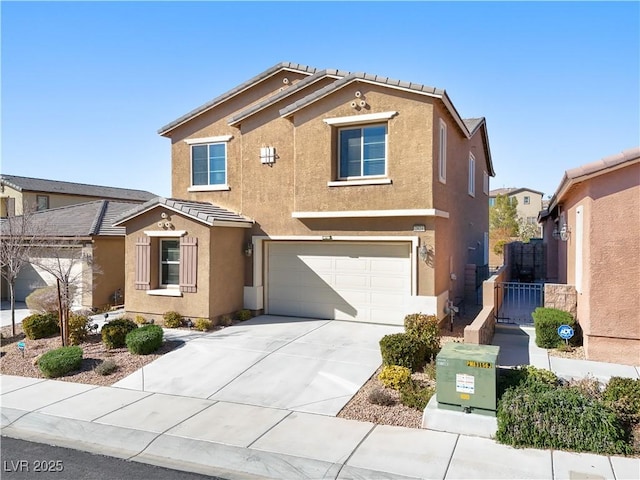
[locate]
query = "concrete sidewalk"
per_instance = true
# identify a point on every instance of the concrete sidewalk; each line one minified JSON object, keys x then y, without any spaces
{"x":240,"y":441}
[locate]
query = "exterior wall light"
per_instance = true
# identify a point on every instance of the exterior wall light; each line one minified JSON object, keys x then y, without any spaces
{"x":248,"y":250}
{"x":423,"y":253}
{"x":563,"y":234}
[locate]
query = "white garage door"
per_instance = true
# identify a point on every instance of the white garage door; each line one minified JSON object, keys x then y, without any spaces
{"x":346,"y":281}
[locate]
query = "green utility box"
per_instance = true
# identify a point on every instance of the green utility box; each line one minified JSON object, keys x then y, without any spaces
{"x":466,"y":378}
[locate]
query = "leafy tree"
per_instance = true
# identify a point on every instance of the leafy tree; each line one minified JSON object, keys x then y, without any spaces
{"x":527,"y":231}
{"x":503,"y":216}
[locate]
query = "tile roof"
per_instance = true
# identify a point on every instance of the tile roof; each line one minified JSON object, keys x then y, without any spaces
{"x":30,"y":184}
{"x":205,"y":212}
{"x":512,"y":191}
{"x":473,"y":124}
{"x":81,"y":220}
{"x":236,"y":90}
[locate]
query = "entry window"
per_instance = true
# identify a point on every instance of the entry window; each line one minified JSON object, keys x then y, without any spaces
{"x":42,"y":202}
{"x":169,"y":262}
{"x":209,"y":164}
{"x":363,"y":151}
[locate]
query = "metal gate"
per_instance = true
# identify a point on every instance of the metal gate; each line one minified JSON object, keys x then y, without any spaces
{"x":515,"y":301}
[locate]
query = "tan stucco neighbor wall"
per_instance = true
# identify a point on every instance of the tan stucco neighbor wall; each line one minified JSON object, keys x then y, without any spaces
{"x":109,"y":257}
{"x":226,"y":256}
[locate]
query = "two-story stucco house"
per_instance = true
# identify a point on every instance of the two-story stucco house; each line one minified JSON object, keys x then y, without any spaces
{"x":314,"y":193}
{"x":529,"y":202}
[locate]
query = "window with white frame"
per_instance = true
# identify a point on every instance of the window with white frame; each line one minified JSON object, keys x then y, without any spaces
{"x":362,"y":151}
{"x":169,"y":262}
{"x":485,"y":183}
{"x":442,"y":153}
{"x":527,"y":200}
{"x":472,"y":175}
{"x":209,"y":164}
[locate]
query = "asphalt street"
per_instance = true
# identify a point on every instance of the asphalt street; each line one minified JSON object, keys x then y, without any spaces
{"x":28,"y":460}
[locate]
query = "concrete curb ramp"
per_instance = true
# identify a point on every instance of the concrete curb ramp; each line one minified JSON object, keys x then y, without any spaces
{"x":239,"y":441}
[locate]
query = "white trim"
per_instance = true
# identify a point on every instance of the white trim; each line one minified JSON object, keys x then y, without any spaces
{"x":360,"y":119}
{"x":349,"y":183}
{"x":218,"y":139}
{"x":228,"y":223}
{"x":208,"y":188}
{"x":165,"y":292}
{"x":471,"y":187}
{"x":579,"y":238}
{"x":419,"y":212}
{"x":165,"y":233}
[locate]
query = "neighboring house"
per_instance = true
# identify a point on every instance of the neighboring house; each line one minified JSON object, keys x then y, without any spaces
{"x":591,"y":232}
{"x":529,"y":202}
{"x":81,"y":239}
{"x":314,"y":193}
{"x":40,"y":194}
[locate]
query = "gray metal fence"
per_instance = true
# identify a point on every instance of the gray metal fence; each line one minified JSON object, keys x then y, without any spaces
{"x":516,"y":301}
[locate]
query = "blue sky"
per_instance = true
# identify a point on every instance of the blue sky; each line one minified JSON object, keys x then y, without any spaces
{"x":86,"y":86}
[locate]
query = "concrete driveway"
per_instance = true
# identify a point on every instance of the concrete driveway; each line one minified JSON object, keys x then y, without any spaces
{"x":298,"y":364}
{"x":22,"y":312}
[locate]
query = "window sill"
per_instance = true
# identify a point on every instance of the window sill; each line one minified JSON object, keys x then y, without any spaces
{"x":208,"y":188}
{"x":349,"y":183}
{"x":165,"y":292}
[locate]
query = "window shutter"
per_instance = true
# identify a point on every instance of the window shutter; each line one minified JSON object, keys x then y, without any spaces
{"x":143,"y":263}
{"x":188,"y":264}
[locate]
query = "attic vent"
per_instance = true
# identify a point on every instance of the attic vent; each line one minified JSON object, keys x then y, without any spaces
{"x":285,"y":80}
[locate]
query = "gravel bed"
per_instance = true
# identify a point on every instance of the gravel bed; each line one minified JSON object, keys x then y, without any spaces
{"x":13,"y":362}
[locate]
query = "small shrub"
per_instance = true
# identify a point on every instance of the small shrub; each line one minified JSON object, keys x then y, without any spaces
{"x":416,"y":396}
{"x":623,"y":396}
{"x":224,"y":320}
{"x":140,"y":320}
{"x":403,"y":350}
{"x":41,"y":325}
{"x":427,"y":329}
{"x":78,"y":330}
{"x":203,"y":324}
{"x":144,"y":340}
{"x":547,"y":321}
{"x":394,"y":376}
{"x":43,"y":300}
{"x":172,"y":319}
{"x":378,"y":396}
{"x":430,"y":370}
{"x":524,"y":374}
{"x":115,"y":332}
{"x":243,"y":315}
{"x":106,"y":368}
{"x":60,"y":361}
{"x":543,"y":416}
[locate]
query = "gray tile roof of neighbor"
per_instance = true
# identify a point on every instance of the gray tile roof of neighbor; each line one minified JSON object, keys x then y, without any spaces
{"x":29,"y":184}
{"x":512,"y":191}
{"x":205,"y":212}
{"x":81,"y":220}
{"x":234,"y":91}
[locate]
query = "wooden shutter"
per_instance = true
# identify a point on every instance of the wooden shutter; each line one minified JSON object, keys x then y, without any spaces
{"x":188,"y":264}
{"x":143,"y":263}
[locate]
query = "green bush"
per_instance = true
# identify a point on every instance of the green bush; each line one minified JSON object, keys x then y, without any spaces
{"x":540,"y":415}
{"x":140,"y":320}
{"x":224,"y":320}
{"x":106,"y":368}
{"x":524,"y":374}
{"x":394,"y":376}
{"x":242,"y":315}
{"x":43,"y":300}
{"x":203,"y":324}
{"x":623,"y":396}
{"x":416,"y":396}
{"x":172,"y":319}
{"x":115,"y":332}
{"x":41,"y":325}
{"x":547,"y":321}
{"x":60,"y":361}
{"x":78,"y":330}
{"x":144,"y":340}
{"x":427,"y":329}
{"x":403,"y":350}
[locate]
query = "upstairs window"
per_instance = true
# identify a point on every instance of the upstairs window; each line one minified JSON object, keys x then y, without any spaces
{"x":42,"y":202}
{"x":363,"y":151}
{"x":527,"y":200}
{"x":209,"y":164}
{"x":442,"y":153}
{"x":485,"y":183}
{"x":472,"y":175}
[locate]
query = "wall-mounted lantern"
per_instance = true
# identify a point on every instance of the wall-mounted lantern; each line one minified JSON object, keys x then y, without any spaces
{"x":248,"y":250}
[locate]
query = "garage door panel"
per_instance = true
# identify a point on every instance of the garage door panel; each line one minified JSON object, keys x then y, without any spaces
{"x":348,"y":281}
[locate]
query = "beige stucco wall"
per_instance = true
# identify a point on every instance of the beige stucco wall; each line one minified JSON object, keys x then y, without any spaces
{"x":227,"y":260}
{"x":534,"y":207}
{"x":109,"y":258}
{"x":608,"y":306}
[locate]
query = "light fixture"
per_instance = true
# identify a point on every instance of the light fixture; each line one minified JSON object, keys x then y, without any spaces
{"x":423,"y":252}
{"x":565,"y":232}
{"x":248,"y":250}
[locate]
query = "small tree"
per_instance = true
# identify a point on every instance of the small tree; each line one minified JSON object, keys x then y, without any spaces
{"x":527,"y":231}
{"x":19,"y":239}
{"x":503,"y":216}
